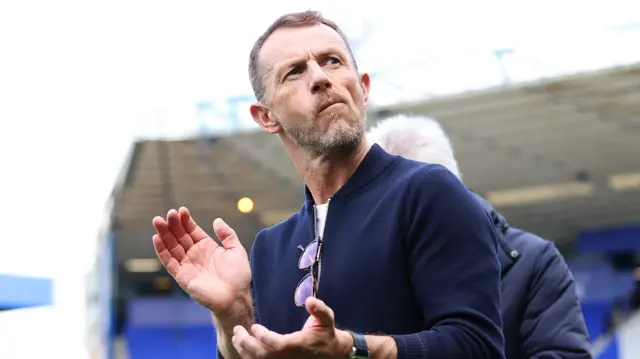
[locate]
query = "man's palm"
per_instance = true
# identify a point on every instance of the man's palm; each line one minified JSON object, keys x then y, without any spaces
{"x":215,"y":276}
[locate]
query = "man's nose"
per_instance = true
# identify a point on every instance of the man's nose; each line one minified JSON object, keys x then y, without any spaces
{"x":319,"y":79}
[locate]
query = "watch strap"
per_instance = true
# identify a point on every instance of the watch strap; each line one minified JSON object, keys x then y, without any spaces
{"x":360,"y":348}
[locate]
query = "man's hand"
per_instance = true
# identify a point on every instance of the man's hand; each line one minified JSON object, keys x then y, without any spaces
{"x":218,"y":277}
{"x":318,"y":339}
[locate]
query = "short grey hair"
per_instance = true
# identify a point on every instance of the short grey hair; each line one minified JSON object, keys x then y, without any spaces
{"x":291,"y":20}
{"x":417,"y":138}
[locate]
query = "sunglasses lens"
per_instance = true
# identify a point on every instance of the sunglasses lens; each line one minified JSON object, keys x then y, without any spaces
{"x":304,"y":290}
{"x":308,"y":256}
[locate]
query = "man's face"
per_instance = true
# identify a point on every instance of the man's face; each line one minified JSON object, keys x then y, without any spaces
{"x":314,"y":95}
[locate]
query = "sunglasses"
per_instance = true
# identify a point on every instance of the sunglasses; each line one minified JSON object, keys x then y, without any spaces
{"x":310,"y":259}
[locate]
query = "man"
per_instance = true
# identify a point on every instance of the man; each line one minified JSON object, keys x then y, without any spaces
{"x":541,"y":313}
{"x":372,"y":250}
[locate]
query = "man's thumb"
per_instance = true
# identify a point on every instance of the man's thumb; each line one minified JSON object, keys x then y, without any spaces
{"x":226,"y":234}
{"x":321,"y":311}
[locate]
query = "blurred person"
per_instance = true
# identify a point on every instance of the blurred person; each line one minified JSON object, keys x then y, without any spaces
{"x":635,"y":293}
{"x":541,"y":312}
{"x":373,"y":249}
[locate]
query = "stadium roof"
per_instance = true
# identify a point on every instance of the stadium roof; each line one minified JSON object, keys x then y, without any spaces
{"x":207,"y":175}
{"x":556,"y":157}
{"x":574,"y":138}
{"x":422,"y":73}
{"x":429,"y":51}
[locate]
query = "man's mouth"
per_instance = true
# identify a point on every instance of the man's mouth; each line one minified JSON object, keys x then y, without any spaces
{"x":330,"y":104}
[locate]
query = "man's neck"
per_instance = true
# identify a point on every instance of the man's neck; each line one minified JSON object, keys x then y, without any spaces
{"x":325,"y":175}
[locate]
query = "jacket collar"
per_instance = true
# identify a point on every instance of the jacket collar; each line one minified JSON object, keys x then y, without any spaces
{"x":374,"y":163}
{"x":507,"y":255}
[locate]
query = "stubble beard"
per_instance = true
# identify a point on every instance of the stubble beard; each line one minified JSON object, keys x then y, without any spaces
{"x":313,"y":140}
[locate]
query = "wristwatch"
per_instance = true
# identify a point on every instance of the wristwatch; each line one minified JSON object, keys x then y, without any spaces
{"x":360,"y":349}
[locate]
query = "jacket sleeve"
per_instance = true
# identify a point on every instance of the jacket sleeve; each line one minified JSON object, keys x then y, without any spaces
{"x":453,"y":263}
{"x":256,"y":314}
{"x":553,"y":326}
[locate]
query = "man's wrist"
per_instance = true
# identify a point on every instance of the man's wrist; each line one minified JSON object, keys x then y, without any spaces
{"x":381,"y":347}
{"x":345,"y":344}
{"x":240,"y":313}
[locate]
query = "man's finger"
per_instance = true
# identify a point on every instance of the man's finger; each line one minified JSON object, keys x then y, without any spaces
{"x":273,"y":340}
{"x":165,"y":256}
{"x":247,"y":345}
{"x":236,"y":342}
{"x":176,"y":227}
{"x":197,"y":234}
{"x":244,"y":354}
{"x":320,"y":311}
{"x":169,"y":240}
{"x":226,"y":234}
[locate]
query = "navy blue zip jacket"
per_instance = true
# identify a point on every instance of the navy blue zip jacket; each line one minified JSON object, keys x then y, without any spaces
{"x":541,"y":312}
{"x":407,"y":252}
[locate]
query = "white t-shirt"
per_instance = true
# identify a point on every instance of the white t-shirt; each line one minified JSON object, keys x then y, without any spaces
{"x":321,"y":216}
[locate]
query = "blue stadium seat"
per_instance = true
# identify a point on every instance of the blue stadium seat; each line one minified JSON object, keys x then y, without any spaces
{"x":161,"y":328}
{"x":600,"y":286}
{"x":170,"y":343}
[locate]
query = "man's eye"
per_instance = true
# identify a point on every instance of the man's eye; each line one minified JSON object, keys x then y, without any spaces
{"x":333,"y":61}
{"x":295,"y":71}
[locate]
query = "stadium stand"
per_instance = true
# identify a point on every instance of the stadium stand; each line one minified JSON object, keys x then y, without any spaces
{"x":185,"y":333}
{"x":602,"y":287}
{"x":556,"y":157}
{"x":623,"y":344}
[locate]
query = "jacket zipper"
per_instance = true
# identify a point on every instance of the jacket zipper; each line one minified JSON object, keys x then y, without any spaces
{"x":319,"y":239}
{"x":315,"y":223}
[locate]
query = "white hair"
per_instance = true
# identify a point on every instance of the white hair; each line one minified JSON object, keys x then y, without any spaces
{"x":416,"y":138}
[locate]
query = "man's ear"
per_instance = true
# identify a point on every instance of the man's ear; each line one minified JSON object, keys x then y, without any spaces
{"x":365,"y":83}
{"x":263,"y":117}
